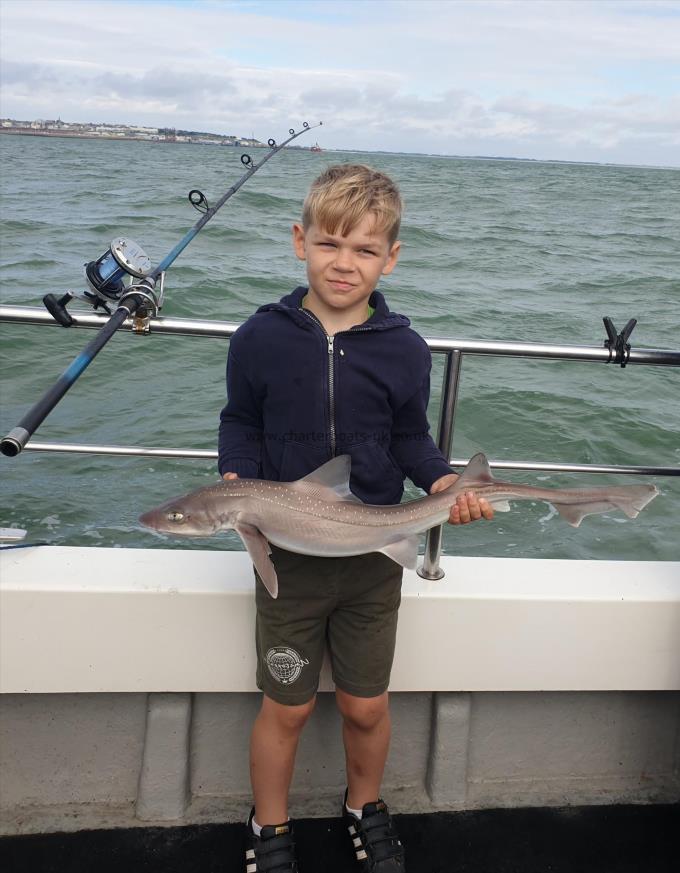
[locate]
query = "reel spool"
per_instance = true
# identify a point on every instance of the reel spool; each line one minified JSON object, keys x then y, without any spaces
{"x":112,"y":273}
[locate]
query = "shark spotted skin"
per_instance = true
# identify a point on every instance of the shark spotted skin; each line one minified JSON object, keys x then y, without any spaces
{"x":319,"y":515}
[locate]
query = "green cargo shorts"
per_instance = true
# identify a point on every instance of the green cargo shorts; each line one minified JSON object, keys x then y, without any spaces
{"x":351,"y":604}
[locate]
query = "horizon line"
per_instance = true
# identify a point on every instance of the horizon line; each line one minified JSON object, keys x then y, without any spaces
{"x":377,"y":151}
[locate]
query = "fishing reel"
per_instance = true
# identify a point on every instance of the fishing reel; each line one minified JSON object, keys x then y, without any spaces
{"x":112,"y":273}
{"x":122,"y":270}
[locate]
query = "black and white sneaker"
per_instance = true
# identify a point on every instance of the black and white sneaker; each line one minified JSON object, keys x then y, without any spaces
{"x":374,"y":837}
{"x":273,"y":851}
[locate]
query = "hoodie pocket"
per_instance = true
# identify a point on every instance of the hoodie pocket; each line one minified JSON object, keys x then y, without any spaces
{"x":375,"y":476}
{"x":299,"y":459}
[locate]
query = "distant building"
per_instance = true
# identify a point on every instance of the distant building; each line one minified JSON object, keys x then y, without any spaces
{"x":53,"y":127}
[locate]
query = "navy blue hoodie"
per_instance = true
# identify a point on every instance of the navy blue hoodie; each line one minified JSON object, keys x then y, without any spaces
{"x":297,"y":397}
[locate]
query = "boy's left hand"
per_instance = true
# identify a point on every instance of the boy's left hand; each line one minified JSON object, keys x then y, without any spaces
{"x":467,"y":507}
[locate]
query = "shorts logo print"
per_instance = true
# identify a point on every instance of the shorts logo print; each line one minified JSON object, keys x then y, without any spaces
{"x":284,"y":664}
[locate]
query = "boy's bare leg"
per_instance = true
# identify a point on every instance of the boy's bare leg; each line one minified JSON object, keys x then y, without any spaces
{"x":273,"y":744}
{"x":366,"y":734}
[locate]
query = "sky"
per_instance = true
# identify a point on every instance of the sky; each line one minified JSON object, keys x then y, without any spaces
{"x":584,"y":80}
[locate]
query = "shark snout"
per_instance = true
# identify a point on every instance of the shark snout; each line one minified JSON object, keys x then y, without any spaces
{"x":179,"y":520}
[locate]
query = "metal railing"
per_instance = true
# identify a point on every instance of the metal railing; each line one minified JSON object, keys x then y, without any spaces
{"x":224,"y":329}
{"x":453,"y":349}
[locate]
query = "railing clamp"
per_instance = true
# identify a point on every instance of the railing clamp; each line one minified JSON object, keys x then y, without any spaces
{"x":618,"y":345}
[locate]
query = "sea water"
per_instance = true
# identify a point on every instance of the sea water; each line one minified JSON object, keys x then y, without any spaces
{"x":492,"y":249}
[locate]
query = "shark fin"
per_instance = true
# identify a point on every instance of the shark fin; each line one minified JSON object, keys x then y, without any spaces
{"x":637,"y":497}
{"x":404,"y":552}
{"x":259,"y":551}
{"x":330,"y":481}
{"x":499,"y":505}
{"x":574,"y":513}
{"x":477,"y":472}
{"x":630,"y":499}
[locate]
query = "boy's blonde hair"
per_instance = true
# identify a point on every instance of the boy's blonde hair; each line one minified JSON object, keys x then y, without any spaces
{"x":343,"y":194}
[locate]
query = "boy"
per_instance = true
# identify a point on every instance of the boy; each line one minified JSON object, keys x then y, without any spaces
{"x":326,"y":371}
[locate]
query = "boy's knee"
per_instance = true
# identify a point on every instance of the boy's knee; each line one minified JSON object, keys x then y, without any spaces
{"x":363,"y":713}
{"x":288,"y":718}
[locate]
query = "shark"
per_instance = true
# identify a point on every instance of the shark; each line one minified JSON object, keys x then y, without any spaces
{"x":319,"y":515}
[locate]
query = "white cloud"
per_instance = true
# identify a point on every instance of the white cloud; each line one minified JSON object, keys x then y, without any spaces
{"x":573,"y":80}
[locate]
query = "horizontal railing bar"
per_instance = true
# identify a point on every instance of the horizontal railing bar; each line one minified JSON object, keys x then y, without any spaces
{"x":596,"y":354}
{"x":139,"y":451}
{"x":35,"y":315}
{"x":220,"y":329}
{"x":539,"y":466}
{"x":211,"y":454}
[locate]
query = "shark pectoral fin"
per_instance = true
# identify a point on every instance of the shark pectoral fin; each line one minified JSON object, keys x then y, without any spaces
{"x":404,"y":552}
{"x":499,"y":505}
{"x":259,"y":551}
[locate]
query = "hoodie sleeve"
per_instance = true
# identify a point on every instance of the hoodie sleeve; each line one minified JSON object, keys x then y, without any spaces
{"x":411,"y":445}
{"x":240,"y":434}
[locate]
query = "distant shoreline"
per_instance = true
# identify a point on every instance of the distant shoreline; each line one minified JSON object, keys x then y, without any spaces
{"x":74,"y":134}
{"x":67,"y":134}
{"x":64,"y":134}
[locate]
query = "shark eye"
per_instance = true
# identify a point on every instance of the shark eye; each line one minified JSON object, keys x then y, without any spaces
{"x":176,"y":516}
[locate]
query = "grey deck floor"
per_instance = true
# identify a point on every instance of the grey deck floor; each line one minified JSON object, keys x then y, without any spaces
{"x":593,"y":839}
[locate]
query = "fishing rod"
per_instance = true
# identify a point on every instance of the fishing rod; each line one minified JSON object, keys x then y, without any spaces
{"x":123,"y":276}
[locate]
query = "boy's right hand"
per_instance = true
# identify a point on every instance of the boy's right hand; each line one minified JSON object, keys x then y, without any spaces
{"x":228,"y":476}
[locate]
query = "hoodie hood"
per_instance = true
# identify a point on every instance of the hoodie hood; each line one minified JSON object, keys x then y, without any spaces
{"x":382,"y":318}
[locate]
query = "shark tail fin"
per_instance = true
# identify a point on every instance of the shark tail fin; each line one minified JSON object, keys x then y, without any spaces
{"x":630,"y":499}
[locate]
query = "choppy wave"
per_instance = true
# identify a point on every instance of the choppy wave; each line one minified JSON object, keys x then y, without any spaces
{"x":492,"y":249}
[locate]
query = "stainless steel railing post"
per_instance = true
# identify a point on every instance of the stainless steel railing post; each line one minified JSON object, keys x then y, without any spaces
{"x":430,"y":568}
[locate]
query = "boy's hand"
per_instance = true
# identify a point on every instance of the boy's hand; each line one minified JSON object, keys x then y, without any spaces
{"x":229,"y":476}
{"x":467,"y":507}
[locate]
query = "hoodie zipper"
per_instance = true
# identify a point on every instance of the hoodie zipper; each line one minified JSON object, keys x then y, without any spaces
{"x":331,"y":385}
{"x":330,"y":341}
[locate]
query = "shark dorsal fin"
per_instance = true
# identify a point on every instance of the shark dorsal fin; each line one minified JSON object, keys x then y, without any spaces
{"x":329,"y":481}
{"x":477,"y":472}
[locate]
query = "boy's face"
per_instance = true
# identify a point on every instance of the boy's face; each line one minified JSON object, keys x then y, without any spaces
{"x":344,"y":270}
